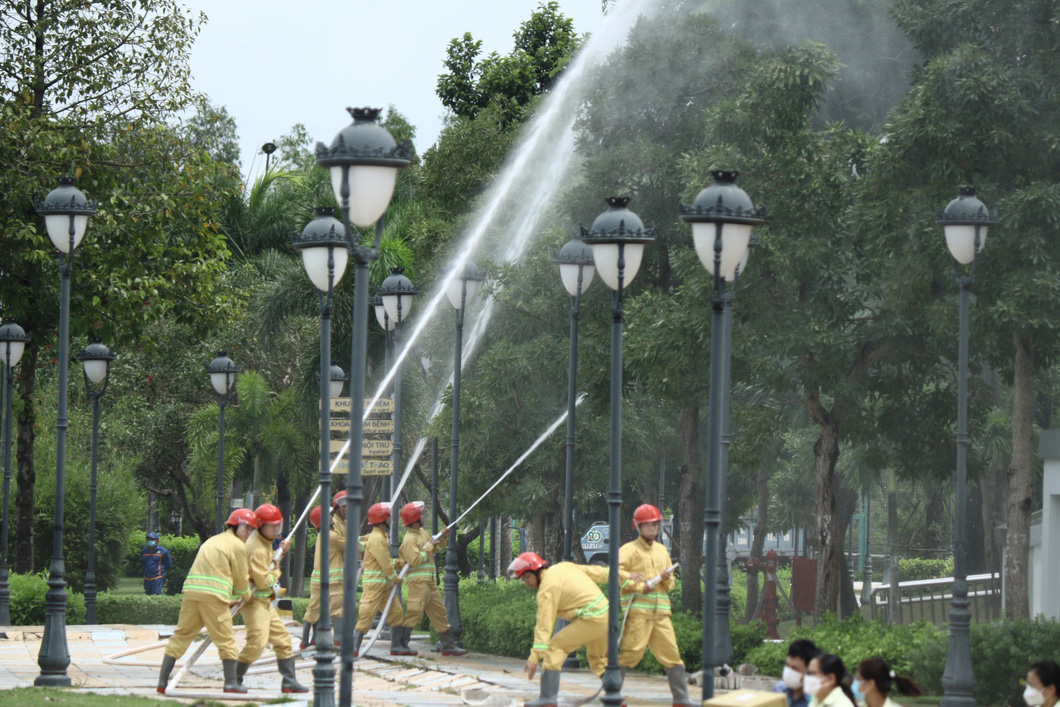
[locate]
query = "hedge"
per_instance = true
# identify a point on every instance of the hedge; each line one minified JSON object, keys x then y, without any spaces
{"x":28,"y":602}
{"x":149,"y":610}
{"x":1002,"y":651}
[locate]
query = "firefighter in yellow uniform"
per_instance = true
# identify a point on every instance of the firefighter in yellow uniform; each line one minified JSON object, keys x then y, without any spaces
{"x":260,"y":616}
{"x":567,"y":591}
{"x":336,"y":560}
{"x":216,"y":582}
{"x":377,"y":577}
{"x":418,"y":551}
{"x":648,"y":623}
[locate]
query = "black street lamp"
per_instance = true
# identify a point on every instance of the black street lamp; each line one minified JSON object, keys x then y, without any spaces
{"x":325,"y":251}
{"x":576,"y":269}
{"x":363,"y":161}
{"x":65,"y":211}
{"x":617,"y":237}
{"x":388,"y":326}
{"x":722,"y":218}
{"x":268,"y":148}
{"x":12,"y":344}
{"x":395,"y":295}
{"x":95,"y":358}
{"x":222,"y":372}
{"x":964,"y":221}
{"x":723,"y":606}
{"x":461,"y":289}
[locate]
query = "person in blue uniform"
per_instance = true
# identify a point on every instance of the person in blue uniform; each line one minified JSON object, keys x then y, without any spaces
{"x":157,"y":562}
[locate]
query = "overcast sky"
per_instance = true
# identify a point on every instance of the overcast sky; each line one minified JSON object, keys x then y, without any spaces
{"x":274,"y":63}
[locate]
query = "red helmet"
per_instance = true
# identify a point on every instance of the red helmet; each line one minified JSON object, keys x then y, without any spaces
{"x":412,"y":512}
{"x":268,"y":513}
{"x":314,"y":516}
{"x":243,"y":515}
{"x":378,"y":513}
{"x":646,"y":514}
{"x":340,"y":496}
{"x":525,"y":562}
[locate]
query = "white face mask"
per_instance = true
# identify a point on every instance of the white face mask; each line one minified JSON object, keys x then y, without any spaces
{"x":792,"y":678}
{"x":811,"y":684}
{"x":1033,"y":697}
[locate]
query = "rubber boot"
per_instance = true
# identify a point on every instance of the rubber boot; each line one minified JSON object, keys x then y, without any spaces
{"x":399,"y":641}
{"x":290,"y":682}
{"x":305,"y":642}
{"x":168,"y":662}
{"x":679,"y":687}
{"x":549,"y":696}
{"x":231,"y":681}
{"x":449,"y":646}
{"x":358,"y":636}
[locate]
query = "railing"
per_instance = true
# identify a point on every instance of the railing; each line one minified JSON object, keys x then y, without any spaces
{"x":929,"y":599}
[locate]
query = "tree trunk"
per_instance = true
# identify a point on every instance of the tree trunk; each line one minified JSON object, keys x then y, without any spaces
{"x":759,"y":540}
{"x":846,"y":504}
{"x":1020,"y":480}
{"x":936,"y":518}
{"x":993,"y":485}
{"x":830,"y":572}
{"x":504,"y":548}
{"x":690,"y":512}
{"x":27,"y":475}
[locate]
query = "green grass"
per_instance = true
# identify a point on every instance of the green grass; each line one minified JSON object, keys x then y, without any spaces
{"x":55,"y":697}
{"x":129,"y":585}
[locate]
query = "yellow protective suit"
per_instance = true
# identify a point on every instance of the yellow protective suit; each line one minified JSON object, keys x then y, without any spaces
{"x":417,"y":551}
{"x":262,"y":621}
{"x":217,"y":579}
{"x":648,"y":623}
{"x":336,"y":558}
{"x":569,"y":591}
{"x":377,"y":577}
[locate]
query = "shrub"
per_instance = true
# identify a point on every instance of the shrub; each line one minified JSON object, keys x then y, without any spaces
{"x":142,"y":609}
{"x":27,"y":602}
{"x":913,"y":568}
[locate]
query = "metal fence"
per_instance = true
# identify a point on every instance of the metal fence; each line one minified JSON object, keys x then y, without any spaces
{"x":929,"y":599}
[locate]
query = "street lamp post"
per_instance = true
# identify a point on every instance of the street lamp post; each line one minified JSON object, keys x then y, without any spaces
{"x":461,"y":290}
{"x":65,"y":211}
{"x":723,"y":605}
{"x":325,"y":251}
{"x":268,"y":148}
{"x":363,"y":161}
{"x":965,"y":222}
{"x":12,"y":344}
{"x":388,"y":326}
{"x":395,"y":295}
{"x":576,"y":269}
{"x":95,"y":358}
{"x":222,"y":372}
{"x":722,"y":218}
{"x":617,"y":238}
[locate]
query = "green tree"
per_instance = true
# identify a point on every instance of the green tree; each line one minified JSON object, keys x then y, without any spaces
{"x":86,"y":90}
{"x":974,"y":116}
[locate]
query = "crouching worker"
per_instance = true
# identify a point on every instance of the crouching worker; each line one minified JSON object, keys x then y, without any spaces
{"x":648,"y":623}
{"x":216,"y":582}
{"x":567,"y":591}
{"x":377,"y":577}
{"x":418,"y":551}
{"x":260,"y":616}
{"x":336,"y":561}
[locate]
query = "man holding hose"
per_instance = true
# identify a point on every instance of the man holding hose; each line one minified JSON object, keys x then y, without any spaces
{"x":216,"y":582}
{"x":377,"y":577}
{"x":263,"y":623}
{"x":418,"y":551}
{"x":648,"y":623}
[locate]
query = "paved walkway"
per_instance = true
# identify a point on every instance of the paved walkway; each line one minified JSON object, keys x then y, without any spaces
{"x":428,"y":679}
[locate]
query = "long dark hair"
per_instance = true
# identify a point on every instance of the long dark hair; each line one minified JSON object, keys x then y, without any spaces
{"x":832,"y":664}
{"x":879,"y":671}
